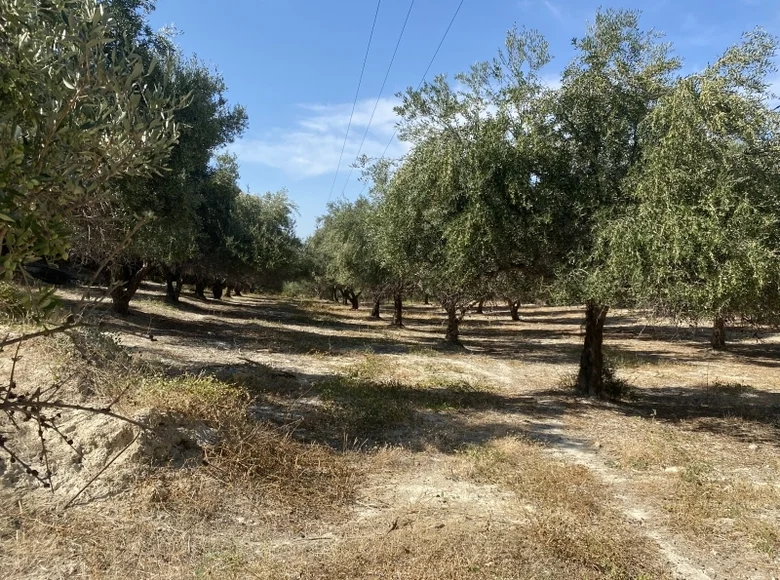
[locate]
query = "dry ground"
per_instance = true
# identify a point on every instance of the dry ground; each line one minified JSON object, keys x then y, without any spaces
{"x":313,"y":442}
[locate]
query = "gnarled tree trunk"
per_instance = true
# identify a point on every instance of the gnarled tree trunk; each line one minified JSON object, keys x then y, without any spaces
{"x":200,"y":289}
{"x":237,"y":290}
{"x":124,"y":291}
{"x":426,"y":299}
{"x":375,"y":309}
{"x":514,"y":309}
{"x":590,"y":380}
{"x":453,"y":323}
{"x":229,"y":291}
{"x":354,"y":299}
{"x":481,"y":306}
{"x":216,"y":289}
{"x":173,"y":284}
{"x":718,"y":333}
{"x":398,"y":310}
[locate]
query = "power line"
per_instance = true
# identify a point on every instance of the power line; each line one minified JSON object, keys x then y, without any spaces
{"x":425,"y":74}
{"x":381,"y":90}
{"x":357,"y":94}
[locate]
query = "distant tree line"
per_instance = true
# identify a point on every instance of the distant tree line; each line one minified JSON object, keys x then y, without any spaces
{"x":111,"y":157}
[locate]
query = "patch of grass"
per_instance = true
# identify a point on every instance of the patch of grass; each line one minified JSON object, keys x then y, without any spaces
{"x":657,"y":446}
{"x":705,"y":502}
{"x":13,"y":305}
{"x":632,"y":360}
{"x":766,"y":537}
{"x":730,"y":389}
{"x":696,"y":473}
{"x":419,"y":350}
{"x":569,"y":525}
{"x":367,"y":408}
{"x":193,"y":395}
{"x":371,"y":367}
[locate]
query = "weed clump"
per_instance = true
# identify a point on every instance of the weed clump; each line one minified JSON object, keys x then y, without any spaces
{"x":615,"y":388}
{"x":370,"y":408}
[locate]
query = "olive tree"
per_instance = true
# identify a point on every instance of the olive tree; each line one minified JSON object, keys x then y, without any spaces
{"x":702,"y":241}
{"x":260,"y":242}
{"x":588,"y":139}
{"x":74,"y":116}
{"x":346,"y":240}
{"x":463,"y":210}
{"x":178,"y":199}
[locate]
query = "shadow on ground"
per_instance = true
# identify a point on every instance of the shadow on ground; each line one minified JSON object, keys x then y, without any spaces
{"x":344,"y":411}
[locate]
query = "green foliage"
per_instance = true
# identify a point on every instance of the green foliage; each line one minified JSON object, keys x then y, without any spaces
{"x":702,"y":241}
{"x":345,"y":247}
{"x":588,"y":139}
{"x":179,"y":198}
{"x":260,"y":241}
{"x":75,"y":114}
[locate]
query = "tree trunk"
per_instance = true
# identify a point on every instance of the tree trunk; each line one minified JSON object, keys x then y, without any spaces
{"x":426,"y":300}
{"x":200,"y":289}
{"x":334,"y":294}
{"x":481,"y":307}
{"x":590,"y":380}
{"x":124,"y":292}
{"x":354,"y":299}
{"x":719,"y":333}
{"x":229,"y":291}
{"x":345,"y":296}
{"x":172,"y":285}
{"x":216,"y":290}
{"x":514,"y":308}
{"x":237,"y":291}
{"x":375,"y":309}
{"x":453,"y":332}
{"x":398,"y":310}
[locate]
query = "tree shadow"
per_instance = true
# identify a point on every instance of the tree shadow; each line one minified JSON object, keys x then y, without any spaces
{"x":345,"y":412}
{"x":741,"y":412}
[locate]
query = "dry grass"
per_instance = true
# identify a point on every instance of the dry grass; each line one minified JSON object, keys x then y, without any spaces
{"x":571,"y":520}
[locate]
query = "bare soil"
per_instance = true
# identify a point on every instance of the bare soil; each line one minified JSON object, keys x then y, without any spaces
{"x":358,"y":450}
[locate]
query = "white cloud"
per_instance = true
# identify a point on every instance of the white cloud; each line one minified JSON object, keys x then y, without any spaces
{"x":552,"y":8}
{"x":551,"y":81}
{"x":312,"y":147}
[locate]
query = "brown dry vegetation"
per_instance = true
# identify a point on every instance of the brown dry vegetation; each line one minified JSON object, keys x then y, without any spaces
{"x":298,"y":439}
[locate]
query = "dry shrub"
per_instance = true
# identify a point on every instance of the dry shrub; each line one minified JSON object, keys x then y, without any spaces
{"x":255,"y":457}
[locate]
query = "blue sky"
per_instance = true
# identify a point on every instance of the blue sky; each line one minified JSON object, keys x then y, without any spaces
{"x":295,"y":64}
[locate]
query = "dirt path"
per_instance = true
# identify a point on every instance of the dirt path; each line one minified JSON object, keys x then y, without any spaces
{"x":678,"y":553}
